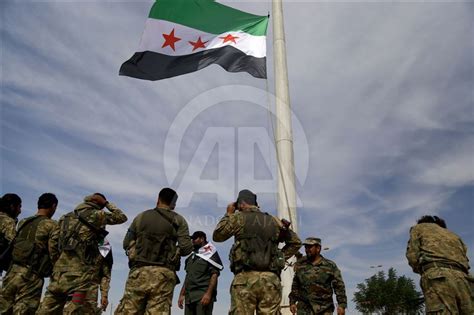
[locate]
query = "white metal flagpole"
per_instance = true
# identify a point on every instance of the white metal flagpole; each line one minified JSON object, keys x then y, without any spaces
{"x":284,"y":140}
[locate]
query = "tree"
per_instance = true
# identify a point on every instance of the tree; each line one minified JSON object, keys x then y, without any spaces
{"x":388,"y":295}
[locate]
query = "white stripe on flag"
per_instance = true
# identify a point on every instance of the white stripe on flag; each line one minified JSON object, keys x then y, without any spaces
{"x":153,"y":40}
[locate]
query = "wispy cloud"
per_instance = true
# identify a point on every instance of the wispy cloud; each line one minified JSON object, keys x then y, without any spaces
{"x":383,"y":92}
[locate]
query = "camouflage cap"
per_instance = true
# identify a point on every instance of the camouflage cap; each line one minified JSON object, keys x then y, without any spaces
{"x":312,"y":241}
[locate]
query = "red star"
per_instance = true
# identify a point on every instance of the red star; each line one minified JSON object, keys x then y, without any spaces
{"x":229,"y":38}
{"x":170,"y":39}
{"x":198,"y":44}
{"x":207,"y":248}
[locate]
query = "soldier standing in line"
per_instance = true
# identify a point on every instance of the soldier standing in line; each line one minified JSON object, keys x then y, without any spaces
{"x":255,"y":258}
{"x":314,"y":282}
{"x":10,"y":209}
{"x":103,"y":277}
{"x":74,"y":274}
{"x":154,"y":243}
{"x":33,"y":256}
{"x":202,"y":267}
{"x":440,"y":257}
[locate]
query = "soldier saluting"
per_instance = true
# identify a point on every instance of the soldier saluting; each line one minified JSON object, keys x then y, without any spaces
{"x":80,"y":232}
{"x":255,"y":258}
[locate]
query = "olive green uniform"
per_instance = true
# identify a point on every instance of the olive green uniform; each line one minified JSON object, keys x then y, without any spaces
{"x":198,"y":277}
{"x":155,"y":242}
{"x":23,"y":283}
{"x":75,"y":270}
{"x":440,"y":257}
{"x":255,"y":290}
{"x":313,"y":287}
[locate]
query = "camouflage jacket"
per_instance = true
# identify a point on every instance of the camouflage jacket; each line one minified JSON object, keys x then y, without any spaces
{"x":313,"y":285}
{"x":70,"y":261}
{"x":430,"y":243}
{"x":46,"y":237}
{"x":7,"y":227}
{"x":232,"y":225}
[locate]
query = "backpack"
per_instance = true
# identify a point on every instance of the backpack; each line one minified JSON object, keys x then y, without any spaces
{"x":7,"y":248}
{"x":26,"y":252}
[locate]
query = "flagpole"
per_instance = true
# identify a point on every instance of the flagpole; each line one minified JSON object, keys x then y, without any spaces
{"x":284,"y":140}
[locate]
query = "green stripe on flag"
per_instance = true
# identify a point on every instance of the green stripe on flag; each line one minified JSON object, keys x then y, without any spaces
{"x":209,"y":16}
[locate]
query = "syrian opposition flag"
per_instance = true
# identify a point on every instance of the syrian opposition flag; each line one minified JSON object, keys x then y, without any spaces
{"x":209,"y":253}
{"x":183,"y":36}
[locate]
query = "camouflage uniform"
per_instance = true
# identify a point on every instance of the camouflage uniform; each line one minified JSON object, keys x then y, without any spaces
{"x":73,"y":274}
{"x":7,"y":234}
{"x":440,"y":256}
{"x":7,"y":227}
{"x":313,"y":286}
{"x":152,"y":276}
{"x":103,"y":277}
{"x":251,"y":290}
{"x":22,"y":285}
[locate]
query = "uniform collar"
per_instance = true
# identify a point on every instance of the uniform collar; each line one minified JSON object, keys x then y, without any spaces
{"x":315,"y":264}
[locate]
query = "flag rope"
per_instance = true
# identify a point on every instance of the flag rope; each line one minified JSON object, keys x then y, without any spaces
{"x":280,"y":171}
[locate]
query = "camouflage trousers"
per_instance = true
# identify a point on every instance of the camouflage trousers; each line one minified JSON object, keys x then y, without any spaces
{"x":90,"y":304}
{"x":66,"y":293}
{"x":314,"y":309}
{"x":447,"y":291}
{"x":20,"y":292}
{"x":255,"y":291}
{"x":149,"y":290}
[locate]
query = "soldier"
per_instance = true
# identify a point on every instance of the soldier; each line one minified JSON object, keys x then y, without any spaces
{"x":33,"y":256}
{"x":103,"y":277}
{"x":10,"y":208}
{"x":202,"y":269}
{"x":315,"y":280}
{"x":440,"y":257}
{"x":74,"y":274}
{"x":255,"y":258}
{"x":154,"y":243}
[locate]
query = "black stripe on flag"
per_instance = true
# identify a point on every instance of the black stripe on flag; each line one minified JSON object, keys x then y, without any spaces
{"x":155,"y":66}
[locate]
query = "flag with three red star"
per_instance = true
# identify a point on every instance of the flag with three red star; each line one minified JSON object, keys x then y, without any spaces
{"x":183,"y":36}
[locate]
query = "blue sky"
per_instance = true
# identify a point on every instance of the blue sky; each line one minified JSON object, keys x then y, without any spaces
{"x":382,"y":92}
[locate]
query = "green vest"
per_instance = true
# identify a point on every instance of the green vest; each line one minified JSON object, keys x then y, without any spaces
{"x":27,"y":253}
{"x":257,"y":247}
{"x":156,"y":237}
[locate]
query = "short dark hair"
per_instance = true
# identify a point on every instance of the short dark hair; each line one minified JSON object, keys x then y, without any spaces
{"x":47,"y":201}
{"x":432,"y":219}
{"x":7,"y":201}
{"x":168,"y":196}
{"x":199,"y":234}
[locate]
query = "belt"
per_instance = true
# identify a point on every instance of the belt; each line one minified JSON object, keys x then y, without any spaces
{"x":428,"y":266}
